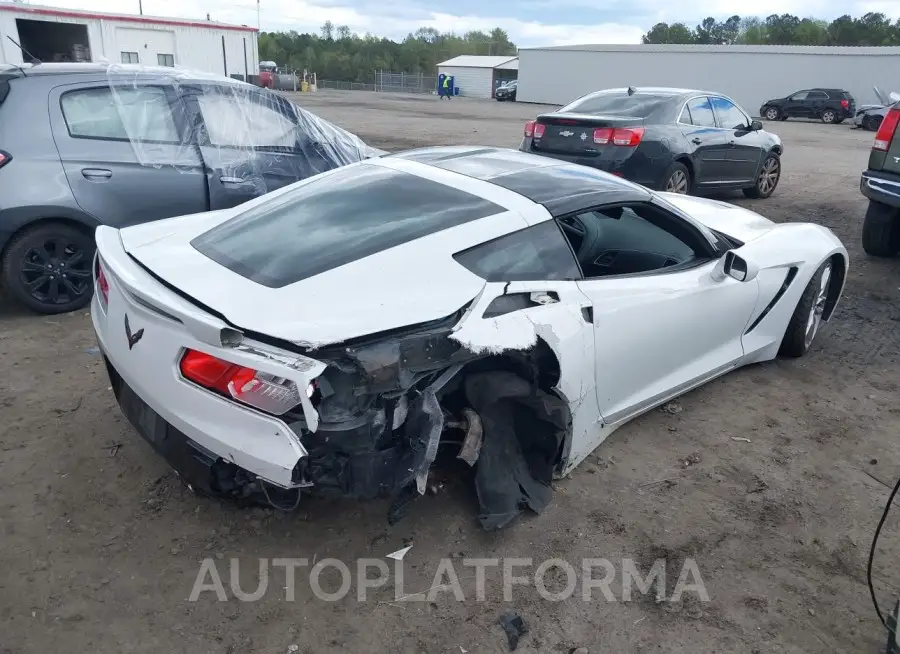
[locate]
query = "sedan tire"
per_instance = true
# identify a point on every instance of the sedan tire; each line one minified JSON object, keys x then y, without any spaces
{"x":872,"y":123}
{"x":47,"y":268}
{"x":881,"y":230}
{"x":773,"y":113}
{"x":767,"y":179}
{"x":677,"y":179}
{"x":804,"y":324}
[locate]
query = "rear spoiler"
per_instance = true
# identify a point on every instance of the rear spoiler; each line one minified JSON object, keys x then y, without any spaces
{"x":586,"y":120}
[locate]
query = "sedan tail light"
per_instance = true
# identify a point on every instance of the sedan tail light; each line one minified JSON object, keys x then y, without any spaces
{"x":539,"y":130}
{"x":886,"y":131}
{"x":529,"y":128}
{"x":260,"y":390}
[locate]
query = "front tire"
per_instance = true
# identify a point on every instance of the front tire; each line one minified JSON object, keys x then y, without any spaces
{"x":773,"y":113}
{"x":881,"y":230}
{"x":47,"y":268}
{"x":677,"y":179}
{"x":767,"y":179}
{"x":872,"y":123}
{"x":807,"y":317}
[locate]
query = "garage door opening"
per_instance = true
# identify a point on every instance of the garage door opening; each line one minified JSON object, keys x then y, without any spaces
{"x":47,"y":41}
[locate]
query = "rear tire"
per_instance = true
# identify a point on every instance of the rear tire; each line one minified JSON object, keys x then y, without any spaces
{"x":47,"y":268}
{"x":773,"y":113}
{"x":807,"y":317}
{"x":829,"y":116}
{"x":881,"y":230}
{"x":767,"y":179}
{"x":677,"y":179}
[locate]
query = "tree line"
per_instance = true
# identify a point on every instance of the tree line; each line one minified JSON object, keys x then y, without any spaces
{"x":336,"y":53}
{"x":872,"y":29}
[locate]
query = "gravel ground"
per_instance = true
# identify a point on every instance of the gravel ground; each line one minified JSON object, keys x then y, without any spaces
{"x":101,"y":545}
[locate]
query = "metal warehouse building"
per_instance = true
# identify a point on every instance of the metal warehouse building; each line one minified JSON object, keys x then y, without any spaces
{"x":748,"y":74}
{"x":51,"y":34}
{"x":478,"y":76}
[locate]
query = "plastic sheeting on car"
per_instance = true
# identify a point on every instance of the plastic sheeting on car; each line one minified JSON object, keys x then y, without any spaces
{"x":241,"y":133}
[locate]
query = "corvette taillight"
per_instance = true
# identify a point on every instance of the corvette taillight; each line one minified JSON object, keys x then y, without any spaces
{"x":102,"y":285}
{"x":260,"y":390}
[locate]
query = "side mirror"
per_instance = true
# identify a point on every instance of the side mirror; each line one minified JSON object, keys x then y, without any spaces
{"x":755,"y":125}
{"x":736,"y":267}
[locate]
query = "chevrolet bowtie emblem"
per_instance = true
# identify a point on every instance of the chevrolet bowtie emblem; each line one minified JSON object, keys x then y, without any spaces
{"x":132,"y":338}
{"x":566,"y":133}
{"x":583,"y":136}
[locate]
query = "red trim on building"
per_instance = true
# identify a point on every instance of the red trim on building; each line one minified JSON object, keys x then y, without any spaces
{"x":65,"y":13}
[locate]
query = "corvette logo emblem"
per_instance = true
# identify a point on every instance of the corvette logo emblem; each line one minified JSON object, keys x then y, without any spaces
{"x":132,"y":338}
{"x":566,"y":133}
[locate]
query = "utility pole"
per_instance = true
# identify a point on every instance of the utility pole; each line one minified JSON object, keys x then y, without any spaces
{"x":257,"y":18}
{"x":141,"y":7}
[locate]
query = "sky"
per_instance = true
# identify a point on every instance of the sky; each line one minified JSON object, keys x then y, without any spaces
{"x":528,"y":22}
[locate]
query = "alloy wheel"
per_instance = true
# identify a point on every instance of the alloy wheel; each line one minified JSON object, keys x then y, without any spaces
{"x":768,"y":176}
{"x":828,"y":116}
{"x":677,"y":183}
{"x":772,"y":113}
{"x":818,"y":307}
{"x":56,"y":271}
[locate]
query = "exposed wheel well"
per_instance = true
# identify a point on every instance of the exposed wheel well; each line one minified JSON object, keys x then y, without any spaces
{"x":838,"y":274}
{"x":686,"y":161}
{"x":777,"y":149}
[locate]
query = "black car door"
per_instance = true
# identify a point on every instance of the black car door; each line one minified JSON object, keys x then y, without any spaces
{"x":698,"y":124}
{"x":816,"y":101}
{"x":745,"y":146}
{"x":795,"y":106}
{"x":250,"y":141}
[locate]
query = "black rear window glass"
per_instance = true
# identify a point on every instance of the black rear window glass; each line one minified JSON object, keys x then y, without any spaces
{"x":537,"y":253}
{"x":619,"y":103}
{"x":353,"y":213}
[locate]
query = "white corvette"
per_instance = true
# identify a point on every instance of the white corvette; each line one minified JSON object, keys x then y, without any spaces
{"x":509,"y":309}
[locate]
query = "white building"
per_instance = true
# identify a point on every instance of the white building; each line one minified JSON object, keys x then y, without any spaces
{"x":51,"y":34}
{"x":748,"y":74}
{"x":477,"y":76}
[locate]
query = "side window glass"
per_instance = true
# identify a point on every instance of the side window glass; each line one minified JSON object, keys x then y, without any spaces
{"x":730,"y":117}
{"x":237,"y":120}
{"x":817,"y":95}
{"x":701,"y":112}
{"x":797,"y":97}
{"x":121,"y":113}
{"x":533,"y":254}
{"x":685,"y":117}
{"x":627,"y":240}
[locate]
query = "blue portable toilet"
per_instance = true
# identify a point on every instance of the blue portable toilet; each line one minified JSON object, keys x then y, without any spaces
{"x":440,"y":81}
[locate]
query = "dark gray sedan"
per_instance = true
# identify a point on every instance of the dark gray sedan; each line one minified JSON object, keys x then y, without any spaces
{"x":675,"y":140}
{"x":83,"y":145}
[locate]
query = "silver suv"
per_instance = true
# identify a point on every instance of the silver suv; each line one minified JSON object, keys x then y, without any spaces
{"x":88,"y":144}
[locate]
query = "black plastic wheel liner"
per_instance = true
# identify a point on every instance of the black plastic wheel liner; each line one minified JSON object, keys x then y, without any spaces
{"x":523,"y":429}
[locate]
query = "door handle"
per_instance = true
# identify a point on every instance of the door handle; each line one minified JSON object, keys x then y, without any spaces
{"x":96,"y":173}
{"x":696,"y":141}
{"x":232,"y":180}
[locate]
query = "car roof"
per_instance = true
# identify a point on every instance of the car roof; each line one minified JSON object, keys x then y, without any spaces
{"x":559,"y":186}
{"x":111,"y":70}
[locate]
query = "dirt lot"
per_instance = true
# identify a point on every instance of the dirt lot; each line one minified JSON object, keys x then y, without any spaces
{"x":100,"y":547}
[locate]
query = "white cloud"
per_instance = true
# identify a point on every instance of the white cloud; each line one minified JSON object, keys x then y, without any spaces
{"x":305,"y":16}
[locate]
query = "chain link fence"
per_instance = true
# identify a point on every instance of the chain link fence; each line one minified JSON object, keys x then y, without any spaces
{"x":387,"y":81}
